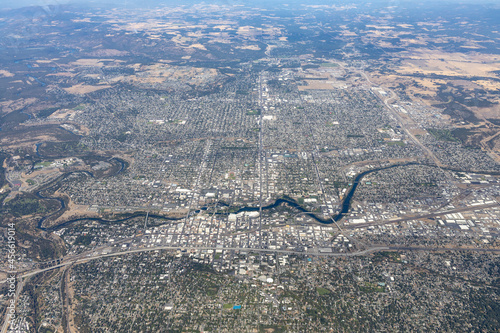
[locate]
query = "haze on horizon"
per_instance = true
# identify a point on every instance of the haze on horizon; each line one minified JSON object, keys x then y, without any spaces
{"x":13,"y":4}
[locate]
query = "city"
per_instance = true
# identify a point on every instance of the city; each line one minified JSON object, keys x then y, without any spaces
{"x":255,"y":185}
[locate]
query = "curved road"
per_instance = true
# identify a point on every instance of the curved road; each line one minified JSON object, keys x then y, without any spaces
{"x":85,"y":257}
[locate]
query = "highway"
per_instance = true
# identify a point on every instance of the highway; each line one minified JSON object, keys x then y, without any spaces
{"x":19,"y":288}
{"x":261,"y":156}
{"x":106,"y":251}
{"x":414,"y":217}
{"x":402,"y":122}
{"x":94,"y":255}
{"x":85,"y":257}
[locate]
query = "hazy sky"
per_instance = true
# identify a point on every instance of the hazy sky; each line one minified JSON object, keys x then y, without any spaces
{"x":23,"y":3}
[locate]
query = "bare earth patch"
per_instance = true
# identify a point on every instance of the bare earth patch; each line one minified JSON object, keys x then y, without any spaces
{"x":4,"y":73}
{"x":81,"y":89}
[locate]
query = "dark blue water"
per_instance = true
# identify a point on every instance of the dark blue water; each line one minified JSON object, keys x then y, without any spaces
{"x":62,"y":204}
{"x":123,"y":164}
{"x":29,"y":115}
{"x":37,"y":147}
{"x":346,"y":204}
{"x":36,"y":79}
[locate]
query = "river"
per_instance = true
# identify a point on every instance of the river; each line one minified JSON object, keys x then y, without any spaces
{"x":346,"y":204}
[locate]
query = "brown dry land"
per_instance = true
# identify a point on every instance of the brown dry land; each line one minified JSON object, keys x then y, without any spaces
{"x":74,"y":211}
{"x":63,"y":113}
{"x":12,"y":105}
{"x":5,"y":73}
{"x":424,"y":71}
{"x":84,"y":88}
{"x":316,"y":85}
{"x":28,"y":136}
{"x":432,"y":76}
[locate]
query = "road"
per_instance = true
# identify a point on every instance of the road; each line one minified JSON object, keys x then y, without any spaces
{"x":414,"y":217}
{"x":196,"y":186}
{"x":94,"y":255}
{"x":402,"y":122}
{"x":85,"y":257}
{"x":260,"y":156}
{"x":98,"y":253}
{"x":485,"y":141}
{"x":19,"y":288}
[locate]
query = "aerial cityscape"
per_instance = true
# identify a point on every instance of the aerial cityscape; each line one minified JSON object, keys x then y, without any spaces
{"x":256,"y":167}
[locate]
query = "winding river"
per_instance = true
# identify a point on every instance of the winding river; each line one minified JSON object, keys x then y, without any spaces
{"x":346,"y":204}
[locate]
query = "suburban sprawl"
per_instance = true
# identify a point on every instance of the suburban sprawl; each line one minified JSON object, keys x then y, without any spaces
{"x":229,"y":168}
